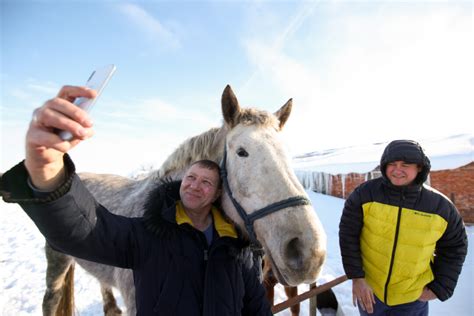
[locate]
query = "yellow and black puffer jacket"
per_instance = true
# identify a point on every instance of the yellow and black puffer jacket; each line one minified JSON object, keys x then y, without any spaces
{"x":401,"y":239}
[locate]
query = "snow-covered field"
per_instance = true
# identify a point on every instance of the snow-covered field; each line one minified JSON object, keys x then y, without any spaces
{"x":23,"y":265}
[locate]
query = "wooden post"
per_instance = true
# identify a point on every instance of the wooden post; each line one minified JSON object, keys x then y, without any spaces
{"x":313,"y":310}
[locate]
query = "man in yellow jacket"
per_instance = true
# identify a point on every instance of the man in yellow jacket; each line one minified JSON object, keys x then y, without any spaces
{"x":402,"y":242}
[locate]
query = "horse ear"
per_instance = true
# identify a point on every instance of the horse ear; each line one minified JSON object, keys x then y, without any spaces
{"x":230,"y":106}
{"x":284,"y":113}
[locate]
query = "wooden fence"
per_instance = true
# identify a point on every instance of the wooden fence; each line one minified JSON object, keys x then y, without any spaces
{"x":311,"y":294}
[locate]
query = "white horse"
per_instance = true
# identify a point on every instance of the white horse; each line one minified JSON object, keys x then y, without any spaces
{"x":262,"y":197}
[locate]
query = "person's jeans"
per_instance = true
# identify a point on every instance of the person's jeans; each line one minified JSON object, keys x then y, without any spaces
{"x":416,"y":308}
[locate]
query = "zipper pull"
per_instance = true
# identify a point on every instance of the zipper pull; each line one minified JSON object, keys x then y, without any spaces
{"x":205,"y":255}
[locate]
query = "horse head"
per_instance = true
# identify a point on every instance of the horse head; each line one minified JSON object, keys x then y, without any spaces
{"x":263,"y":196}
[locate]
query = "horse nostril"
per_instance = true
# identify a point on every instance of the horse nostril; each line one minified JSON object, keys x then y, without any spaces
{"x":293,"y":254}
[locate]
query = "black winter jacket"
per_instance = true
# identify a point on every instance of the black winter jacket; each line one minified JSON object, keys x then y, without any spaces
{"x":401,"y":239}
{"x":175,"y":272}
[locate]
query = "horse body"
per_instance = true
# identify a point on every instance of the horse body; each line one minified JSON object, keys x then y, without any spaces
{"x":260,"y":174}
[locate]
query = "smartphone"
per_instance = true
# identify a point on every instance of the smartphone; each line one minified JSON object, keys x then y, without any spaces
{"x":97,"y":81}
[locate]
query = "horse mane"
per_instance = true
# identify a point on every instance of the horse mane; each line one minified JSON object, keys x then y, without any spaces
{"x":209,"y":144}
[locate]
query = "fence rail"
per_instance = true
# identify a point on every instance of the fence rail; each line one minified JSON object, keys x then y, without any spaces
{"x":304,"y":296}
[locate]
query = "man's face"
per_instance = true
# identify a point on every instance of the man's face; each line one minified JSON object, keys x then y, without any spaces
{"x":199,"y":188}
{"x":401,"y":173}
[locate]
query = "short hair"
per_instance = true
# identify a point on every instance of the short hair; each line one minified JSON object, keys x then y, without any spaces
{"x":211,"y":165}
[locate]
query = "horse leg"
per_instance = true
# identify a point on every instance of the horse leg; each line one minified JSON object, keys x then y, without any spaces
{"x":126,"y":287}
{"x":111,"y":277}
{"x":292,"y":291}
{"x":270,"y":290}
{"x":59,"y":296}
{"x":110,"y":304}
{"x":269,"y":281}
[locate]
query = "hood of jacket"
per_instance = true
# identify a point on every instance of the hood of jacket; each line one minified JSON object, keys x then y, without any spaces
{"x":159,"y":214}
{"x":408,"y":151}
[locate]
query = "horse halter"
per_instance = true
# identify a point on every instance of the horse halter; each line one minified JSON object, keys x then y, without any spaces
{"x":249,"y":219}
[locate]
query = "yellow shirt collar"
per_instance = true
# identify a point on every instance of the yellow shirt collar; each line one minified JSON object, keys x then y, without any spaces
{"x":223,"y":227}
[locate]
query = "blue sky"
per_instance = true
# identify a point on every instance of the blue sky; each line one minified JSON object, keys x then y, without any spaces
{"x":358,"y":71}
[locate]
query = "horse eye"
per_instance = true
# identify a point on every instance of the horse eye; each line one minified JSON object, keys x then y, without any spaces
{"x":242,"y":152}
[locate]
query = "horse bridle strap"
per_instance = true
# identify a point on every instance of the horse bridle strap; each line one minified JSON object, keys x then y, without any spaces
{"x":249,"y":219}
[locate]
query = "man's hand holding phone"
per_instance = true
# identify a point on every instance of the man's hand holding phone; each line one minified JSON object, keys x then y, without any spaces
{"x":45,"y":143}
{"x":97,"y":81}
{"x":44,"y":148}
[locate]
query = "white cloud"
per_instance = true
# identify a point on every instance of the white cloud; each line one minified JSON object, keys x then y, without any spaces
{"x":399,"y":71}
{"x":156,"y":32}
{"x":31,"y":94}
{"x":21,"y":94}
{"x":154,"y":111}
{"x":47,"y":88}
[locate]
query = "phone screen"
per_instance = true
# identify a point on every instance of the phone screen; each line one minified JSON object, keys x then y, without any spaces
{"x":97,"y":81}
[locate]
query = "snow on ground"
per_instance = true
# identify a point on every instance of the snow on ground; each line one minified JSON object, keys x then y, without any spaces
{"x":444,"y":153}
{"x":23,"y":265}
{"x":23,"y":268}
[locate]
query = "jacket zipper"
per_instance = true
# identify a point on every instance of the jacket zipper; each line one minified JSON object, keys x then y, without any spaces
{"x":395,"y":242}
{"x":205,"y":246}
{"x":201,"y":239}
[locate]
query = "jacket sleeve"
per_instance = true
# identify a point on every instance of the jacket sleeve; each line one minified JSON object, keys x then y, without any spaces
{"x":350,"y":227}
{"x":255,"y":300}
{"x":72,"y":221}
{"x":450,"y":253}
